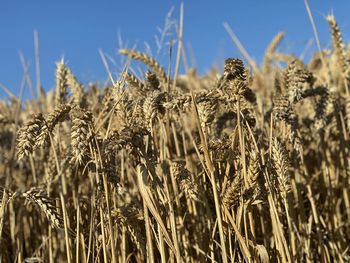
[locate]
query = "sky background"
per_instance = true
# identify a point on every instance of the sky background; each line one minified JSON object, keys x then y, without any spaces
{"x":77,"y":30}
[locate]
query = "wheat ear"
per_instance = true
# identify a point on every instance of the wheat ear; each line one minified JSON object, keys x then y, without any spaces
{"x":149,"y":61}
{"x":183,"y":176}
{"x":281,"y":165}
{"x":80,"y":134}
{"x":76,"y":87}
{"x":27,"y":136}
{"x":270,"y":50}
{"x":58,"y":115}
{"x":339,"y":52}
{"x":45,"y":204}
{"x":61,"y":82}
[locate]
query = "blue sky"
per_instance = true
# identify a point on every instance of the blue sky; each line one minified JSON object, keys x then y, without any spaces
{"x":76,"y":30}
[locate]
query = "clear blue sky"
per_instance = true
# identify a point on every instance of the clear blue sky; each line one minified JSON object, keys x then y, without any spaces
{"x":76,"y":30}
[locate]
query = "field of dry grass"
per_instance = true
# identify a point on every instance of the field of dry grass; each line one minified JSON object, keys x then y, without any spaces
{"x":248,"y":165}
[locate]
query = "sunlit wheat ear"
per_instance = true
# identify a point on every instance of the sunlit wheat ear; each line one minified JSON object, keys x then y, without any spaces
{"x":153,"y":105}
{"x":27,"y":136}
{"x":46,"y":206}
{"x":149,"y":61}
{"x":206,"y":107}
{"x":58,"y":115}
{"x":183,"y":176}
{"x":125,"y":110}
{"x":240,"y":90}
{"x":234,"y":69}
{"x":81,"y":133}
{"x":61,"y":82}
{"x":281,"y":164}
{"x":76,"y":87}
{"x":234,"y":83}
{"x":338,"y":48}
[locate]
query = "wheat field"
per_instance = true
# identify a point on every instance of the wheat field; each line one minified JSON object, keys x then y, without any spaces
{"x":246,"y":165}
